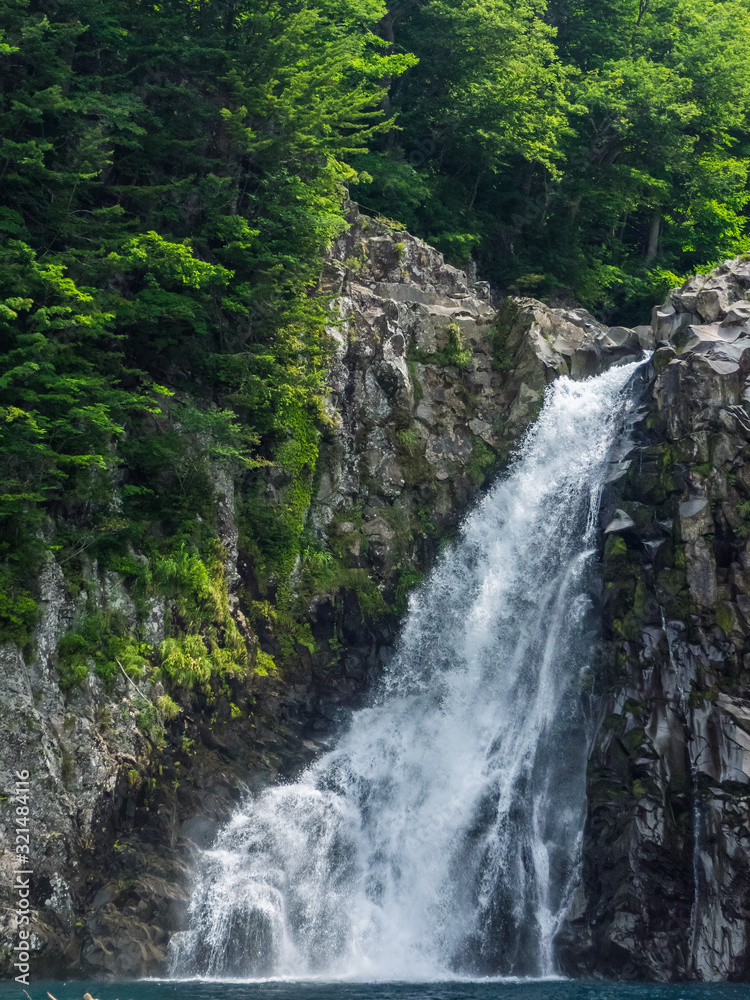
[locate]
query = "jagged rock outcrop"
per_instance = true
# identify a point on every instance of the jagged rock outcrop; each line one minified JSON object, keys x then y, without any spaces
{"x":429,"y":375}
{"x":665,"y":890}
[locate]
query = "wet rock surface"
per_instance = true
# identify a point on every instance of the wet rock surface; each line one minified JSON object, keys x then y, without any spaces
{"x":665,"y":890}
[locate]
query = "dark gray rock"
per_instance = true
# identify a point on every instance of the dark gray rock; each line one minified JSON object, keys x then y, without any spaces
{"x":665,"y":890}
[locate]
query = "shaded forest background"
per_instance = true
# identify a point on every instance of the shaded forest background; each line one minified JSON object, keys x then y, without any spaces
{"x":170,"y":177}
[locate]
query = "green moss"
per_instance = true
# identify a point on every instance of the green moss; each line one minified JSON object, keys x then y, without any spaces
{"x":743,"y":509}
{"x":410,"y":441}
{"x":454,"y":354}
{"x":613,"y":723}
{"x":167,"y":708}
{"x":418,"y":391}
{"x":345,"y":537}
{"x":355,"y":264}
{"x":410,"y":454}
{"x":398,"y":518}
{"x":630,"y":626}
{"x":635,"y":708}
{"x":369,"y":598}
{"x":725,"y":618}
{"x":501,"y":360}
{"x":615,"y":548}
{"x":148,"y":721}
{"x":264,"y":664}
{"x":699,"y":696}
{"x":481,"y":463}
{"x":634,"y":738}
{"x":423,"y":515}
{"x":330,"y":575}
{"x":640,"y":597}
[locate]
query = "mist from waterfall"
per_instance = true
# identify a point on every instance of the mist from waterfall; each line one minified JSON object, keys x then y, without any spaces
{"x":442,"y":835}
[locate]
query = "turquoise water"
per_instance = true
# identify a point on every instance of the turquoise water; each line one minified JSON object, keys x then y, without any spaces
{"x":487,"y":990}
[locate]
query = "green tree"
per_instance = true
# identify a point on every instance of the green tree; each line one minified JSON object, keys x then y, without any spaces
{"x":171,"y":176}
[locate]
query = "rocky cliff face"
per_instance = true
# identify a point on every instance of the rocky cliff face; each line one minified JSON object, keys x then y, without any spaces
{"x":431,"y":386}
{"x":665,"y":892}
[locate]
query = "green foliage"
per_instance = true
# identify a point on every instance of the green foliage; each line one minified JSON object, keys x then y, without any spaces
{"x":71,"y":670}
{"x":167,"y":708}
{"x":331,"y":575}
{"x":171,"y":177}
{"x":615,"y":548}
{"x":206,"y":643}
{"x":501,"y":360}
{"x":148,"y":721}
{"x":482,"y":460}
{"x":639,"y":789}
{"x":601,"y":158}
{"x":410,"y":450}
{"x":454,"y":353}
{"x":743,"y":509}
{"x":197,"y":590}
{"x":264,"y":664}
{"x":18,"y":610}
{"x":725,"y":618}
{"x":100,"y":640}
{"x":186,"y":662}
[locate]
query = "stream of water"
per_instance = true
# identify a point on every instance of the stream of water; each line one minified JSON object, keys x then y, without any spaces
{"x":442,"y":835}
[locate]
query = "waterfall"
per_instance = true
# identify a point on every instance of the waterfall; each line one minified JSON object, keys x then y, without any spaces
{"x":442,"y":834}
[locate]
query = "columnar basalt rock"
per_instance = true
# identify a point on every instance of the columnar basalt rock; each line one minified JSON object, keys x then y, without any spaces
{"x":666,"y":864}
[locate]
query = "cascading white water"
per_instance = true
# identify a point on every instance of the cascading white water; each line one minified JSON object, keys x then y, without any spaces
{"x":442,"y":834}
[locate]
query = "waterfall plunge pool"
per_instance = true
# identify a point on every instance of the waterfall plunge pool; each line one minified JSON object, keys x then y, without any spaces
{"x":555,"y":989}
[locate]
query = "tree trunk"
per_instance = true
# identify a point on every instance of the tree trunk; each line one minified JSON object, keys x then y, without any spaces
{"x":653,"y":236}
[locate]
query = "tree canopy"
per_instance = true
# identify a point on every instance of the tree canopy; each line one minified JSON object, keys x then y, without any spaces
{"x":575,"y":150}
{"x":170,"y":175}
